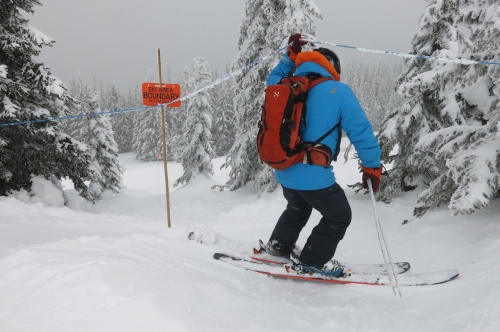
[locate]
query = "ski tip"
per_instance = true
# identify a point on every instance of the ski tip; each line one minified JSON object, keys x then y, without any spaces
{"x":219,"y":255}
{"x":454,"y":273}
{"x":192,"y":236}
{"x":404,"y":266}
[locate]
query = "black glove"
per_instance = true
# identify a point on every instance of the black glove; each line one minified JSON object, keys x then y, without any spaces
{"x":296,"y":45}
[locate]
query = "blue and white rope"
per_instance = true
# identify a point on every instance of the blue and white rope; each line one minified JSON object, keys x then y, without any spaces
{"x":7,"y":124}
{"x":242,"y":69}
{"x":182,"y":98}
{"x":407,"y":55}
{"x":226,"y":76}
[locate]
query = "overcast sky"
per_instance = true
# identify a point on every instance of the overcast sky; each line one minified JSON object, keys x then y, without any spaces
{"x":117,"y":40}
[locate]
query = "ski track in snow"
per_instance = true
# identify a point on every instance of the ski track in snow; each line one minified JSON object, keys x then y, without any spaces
{"x":115,"y":266}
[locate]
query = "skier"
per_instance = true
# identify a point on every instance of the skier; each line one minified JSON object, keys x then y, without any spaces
{"x":307,"y":187}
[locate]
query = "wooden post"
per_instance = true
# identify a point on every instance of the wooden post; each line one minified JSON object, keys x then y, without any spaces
{"x":164,"y":145}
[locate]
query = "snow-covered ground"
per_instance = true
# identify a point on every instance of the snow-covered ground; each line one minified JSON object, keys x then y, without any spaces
{"x":115,"y":266}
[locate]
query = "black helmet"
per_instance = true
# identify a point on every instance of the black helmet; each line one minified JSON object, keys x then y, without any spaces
{"x":330,"y":56}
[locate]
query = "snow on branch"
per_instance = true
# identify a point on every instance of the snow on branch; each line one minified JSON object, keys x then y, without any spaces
{"x":471,"y":155}
{"x":38,"y":37}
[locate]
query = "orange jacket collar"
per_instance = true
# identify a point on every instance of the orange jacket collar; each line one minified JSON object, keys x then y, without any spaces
{"x":316,"y":57}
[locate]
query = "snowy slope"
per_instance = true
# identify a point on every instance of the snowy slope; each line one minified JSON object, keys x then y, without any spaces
{"x":115,"y":266}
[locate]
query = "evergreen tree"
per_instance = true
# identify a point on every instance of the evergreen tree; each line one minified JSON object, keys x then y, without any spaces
{"x":148,"y":135}
{"x":197,"y":148}
{"x":178,"y":120}
{"x":171,"y":125}
{"x":266,"y":28}
{"x":224,"y":128}
{"x":133,"y":99}
{"x":28,"y":91}
{"x":217,"y":101}
{"x":76,"y":90}
{"x":97,"y":133}
{"x":123,"y":123}
{"x":148,"y":143}
{"x":381,"y":94}
{"x":445,"y":133}
{"x":374,"y":85}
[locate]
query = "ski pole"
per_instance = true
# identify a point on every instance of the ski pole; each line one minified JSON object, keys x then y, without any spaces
{"x":383,"y":245}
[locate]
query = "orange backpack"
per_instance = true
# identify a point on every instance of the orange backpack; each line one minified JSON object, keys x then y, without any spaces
{"x":278,"y":141}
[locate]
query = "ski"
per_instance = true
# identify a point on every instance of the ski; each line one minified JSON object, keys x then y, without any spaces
{"x":284,"y":271}
{"x":260,"y":258}
{"x":257,"y":257}
{"x":433,"y":278}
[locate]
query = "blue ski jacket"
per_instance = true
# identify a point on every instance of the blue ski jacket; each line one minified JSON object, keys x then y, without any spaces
{"x":327,"y":103}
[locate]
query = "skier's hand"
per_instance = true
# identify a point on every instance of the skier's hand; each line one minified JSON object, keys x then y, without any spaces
{"x":374,"y":174}
{"x":295,"y":43}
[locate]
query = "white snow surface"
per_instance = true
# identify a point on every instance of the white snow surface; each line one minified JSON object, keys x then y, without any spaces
{"x":116,"y":266}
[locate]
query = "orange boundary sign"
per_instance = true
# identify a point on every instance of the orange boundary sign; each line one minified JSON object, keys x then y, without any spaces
{"x":153,"y":94}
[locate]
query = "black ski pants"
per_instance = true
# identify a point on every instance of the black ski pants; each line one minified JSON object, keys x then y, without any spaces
{"x":336,"y":214}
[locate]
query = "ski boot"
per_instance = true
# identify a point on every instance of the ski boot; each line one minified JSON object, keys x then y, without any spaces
{"x":276,"y":249}
{"x":332,"y":268}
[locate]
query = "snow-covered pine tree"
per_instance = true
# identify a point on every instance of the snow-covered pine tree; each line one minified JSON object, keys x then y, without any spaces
{"x":148,"y":142}
{"x":28,"y":91}
{"x":178,"y":120}
{"x":266,"y":28}
{"x":171,"y":124}
{"x":123,"y":123}
{"x":373,"y":84}
{"x":216,"y":98}
{"x":381,"y":94}
{"x":197,"y":149}
{"x":224,"y":128}
{"x":72,"y":126}
{"x":148,"y":135}
{"x":133,"y":99}
{"x":98,"y":134}
{"x":446,"y":133}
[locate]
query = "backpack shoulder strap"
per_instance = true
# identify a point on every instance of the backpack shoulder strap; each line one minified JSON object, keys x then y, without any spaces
{"x":315,"y":81}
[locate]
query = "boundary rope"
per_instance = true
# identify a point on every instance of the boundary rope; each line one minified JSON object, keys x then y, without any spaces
{"x":407,"y":55}
{"x":182,"y":98}
{"x":242,"y":69}
{"x":72,"y":116}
